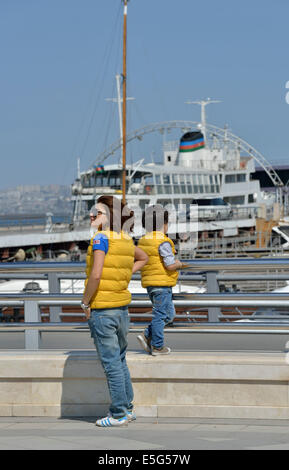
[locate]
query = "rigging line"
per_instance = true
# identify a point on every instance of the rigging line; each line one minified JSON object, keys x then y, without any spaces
{"x":111,"y":117}
{"x":96,"y":80}
{"x":102,"y":82}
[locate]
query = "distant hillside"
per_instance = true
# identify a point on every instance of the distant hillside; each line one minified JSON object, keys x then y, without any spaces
{"x":36,"y":199}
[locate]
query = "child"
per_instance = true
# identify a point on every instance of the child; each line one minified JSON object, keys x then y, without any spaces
{"x":159,"y":275}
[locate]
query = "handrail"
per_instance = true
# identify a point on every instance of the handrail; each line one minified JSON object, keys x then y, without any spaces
{"x":198,"y":265}
{"x":196,"y":327}
{"x":181,"y":299}
{"x":202,"y":270}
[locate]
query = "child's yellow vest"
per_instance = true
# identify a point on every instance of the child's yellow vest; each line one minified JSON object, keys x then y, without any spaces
{"x":154,"y":273}
{"x":117,"y":271}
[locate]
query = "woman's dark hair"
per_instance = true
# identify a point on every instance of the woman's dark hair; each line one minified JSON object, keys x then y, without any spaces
{"x":154,"y":218}
{"x":119,"y":215}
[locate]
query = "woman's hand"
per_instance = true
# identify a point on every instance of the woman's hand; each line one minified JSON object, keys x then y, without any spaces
{"x":86,"y":309}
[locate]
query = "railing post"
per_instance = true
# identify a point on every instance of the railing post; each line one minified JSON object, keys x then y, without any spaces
{"x":213,"y":288}
{"x":54,"y":288}
{"x":32,"y":315}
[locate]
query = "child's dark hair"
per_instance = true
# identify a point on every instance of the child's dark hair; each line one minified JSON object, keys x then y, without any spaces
{"x":154,"y":218}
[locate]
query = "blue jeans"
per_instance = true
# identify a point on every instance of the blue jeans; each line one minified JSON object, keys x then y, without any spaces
{"x":109,"y":328}
{"x":163,"y":313}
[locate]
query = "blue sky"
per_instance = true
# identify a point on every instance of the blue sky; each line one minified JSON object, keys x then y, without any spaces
{"x":59,"y":59}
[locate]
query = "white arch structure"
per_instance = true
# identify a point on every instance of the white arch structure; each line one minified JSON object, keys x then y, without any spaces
{"x":211,"y":130}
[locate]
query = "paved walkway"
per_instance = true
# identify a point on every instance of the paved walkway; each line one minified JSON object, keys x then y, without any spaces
{"x":144,"y":434}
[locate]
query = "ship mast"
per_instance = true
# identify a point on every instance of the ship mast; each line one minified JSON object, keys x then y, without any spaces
{"x":124,"y":103}
{"x":203,"y":104}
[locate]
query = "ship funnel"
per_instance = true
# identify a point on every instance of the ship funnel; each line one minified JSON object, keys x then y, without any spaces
{"x":192,"y":141}
{"x":191,"y":150}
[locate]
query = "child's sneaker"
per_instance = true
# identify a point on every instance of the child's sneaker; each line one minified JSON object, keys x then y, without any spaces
{"x":110,"y":421}
{"x":145,"y":342}
{"x":160,"y":351}
{"x":131,"y":416}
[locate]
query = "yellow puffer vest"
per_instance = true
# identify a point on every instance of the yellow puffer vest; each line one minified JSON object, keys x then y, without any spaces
{"x":154,"y":273}
{"x":117,"y":271}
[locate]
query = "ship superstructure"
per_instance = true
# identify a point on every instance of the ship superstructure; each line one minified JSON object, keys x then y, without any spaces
{"x":201,"y":164}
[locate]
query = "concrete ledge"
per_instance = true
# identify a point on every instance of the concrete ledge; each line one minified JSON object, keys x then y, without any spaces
{"x":197,"y":384}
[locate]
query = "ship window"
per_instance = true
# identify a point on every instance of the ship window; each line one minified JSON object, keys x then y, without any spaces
{"x":188,"y":179}
{"x":159,"y":187}
{"x":230,"y":178}
{"x":114,"y":181}
{"x":176,"y":184}
{"x":251,"y":198}
{"x":166,"y":179}
{"x":235,"y":199}
{"x":158,"y":179}
{"x":98,"y":181}
{"x":149,"y":179}
{"x":175,"y":179}
{"x":206,"y":183}
{"x":241,"y":177}
{"x":167,"y":189}
{"x":182,"y":182}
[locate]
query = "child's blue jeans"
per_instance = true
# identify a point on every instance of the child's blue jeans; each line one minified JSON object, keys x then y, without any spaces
{"x":163,"y":313}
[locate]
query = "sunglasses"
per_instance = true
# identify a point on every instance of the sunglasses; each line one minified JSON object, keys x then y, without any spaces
{"x":93,"y":217}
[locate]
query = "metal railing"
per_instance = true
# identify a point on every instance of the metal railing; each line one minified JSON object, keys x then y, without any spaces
{"x":190,"y":306}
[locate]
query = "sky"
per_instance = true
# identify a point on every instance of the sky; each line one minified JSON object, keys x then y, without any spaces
{"x":59,"y":59}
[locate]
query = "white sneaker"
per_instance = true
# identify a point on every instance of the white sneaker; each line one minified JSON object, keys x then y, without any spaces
{"x":131,"y":416}
{"x":110,"y":421}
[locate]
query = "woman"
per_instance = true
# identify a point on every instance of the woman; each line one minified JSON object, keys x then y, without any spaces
{"x":111,"y":260}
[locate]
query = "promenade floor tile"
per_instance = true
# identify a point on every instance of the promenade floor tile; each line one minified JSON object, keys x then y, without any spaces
{"x":144,"y":434}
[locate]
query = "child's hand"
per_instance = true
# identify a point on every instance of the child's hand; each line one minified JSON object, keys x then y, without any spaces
{"x":179,"y":264}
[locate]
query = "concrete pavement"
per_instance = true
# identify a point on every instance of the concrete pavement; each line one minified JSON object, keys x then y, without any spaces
{"x":153,"y":434}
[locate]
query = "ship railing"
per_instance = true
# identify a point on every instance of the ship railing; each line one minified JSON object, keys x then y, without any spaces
{"x":232,"y":246}
{"x":210,"y":311}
